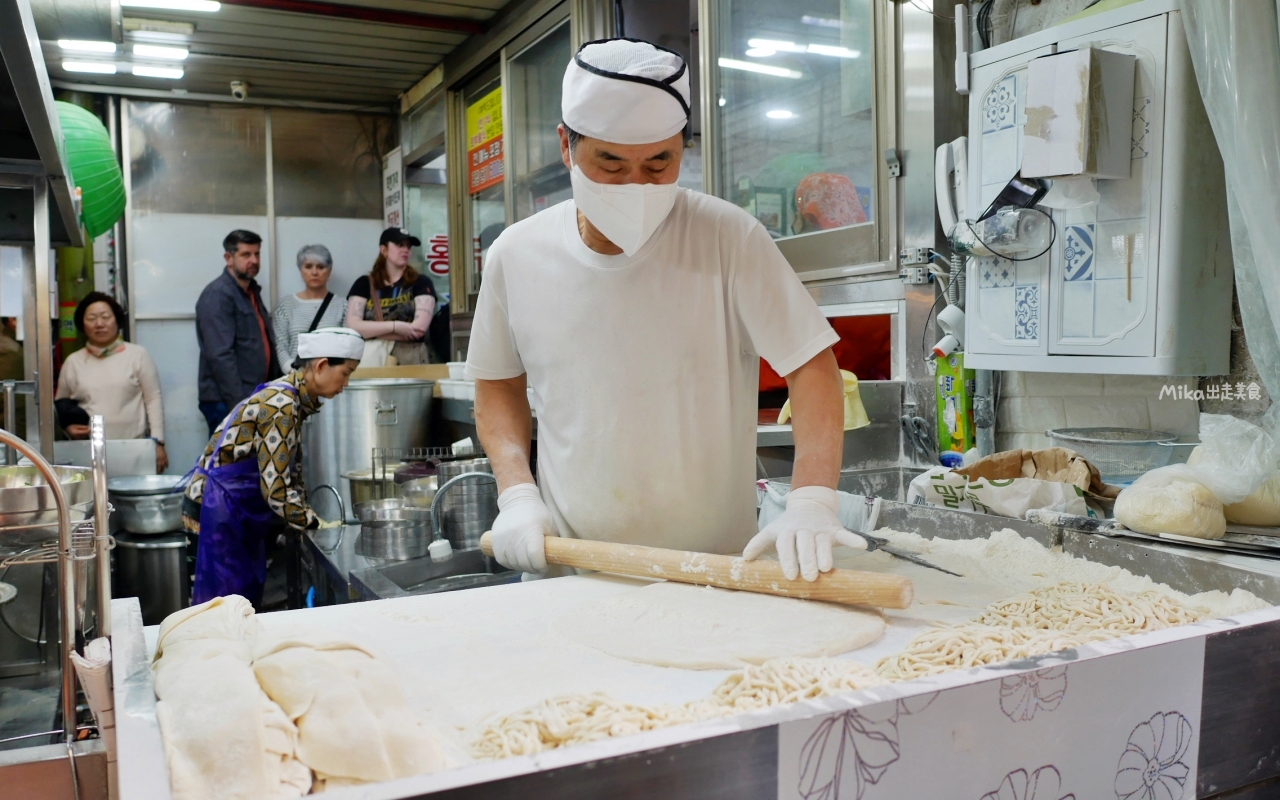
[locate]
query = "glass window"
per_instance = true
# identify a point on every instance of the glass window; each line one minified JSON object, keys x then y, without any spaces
{"x":329,"y":165}
{"x":422,"y":125}
{"x":482,"y":100}
{"x":192,"y":159}
{"x":427,"y":217}
{"x":797,"y":123}
{"x":534,"y":78}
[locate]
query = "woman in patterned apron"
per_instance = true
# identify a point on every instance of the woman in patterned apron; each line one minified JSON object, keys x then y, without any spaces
{"x":251,"y":472}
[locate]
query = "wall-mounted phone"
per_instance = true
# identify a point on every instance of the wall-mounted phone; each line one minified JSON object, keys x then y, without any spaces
{"x":951,"y":181}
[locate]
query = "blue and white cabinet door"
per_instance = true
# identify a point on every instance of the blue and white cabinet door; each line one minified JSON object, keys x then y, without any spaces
{"x":1102,"y":277}
{"x":1005,"y":309}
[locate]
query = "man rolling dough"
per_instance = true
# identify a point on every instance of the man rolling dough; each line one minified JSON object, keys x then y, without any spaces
{"x":637,"y":312}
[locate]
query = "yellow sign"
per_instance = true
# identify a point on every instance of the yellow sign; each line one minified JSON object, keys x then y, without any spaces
{"x":484,"y":119}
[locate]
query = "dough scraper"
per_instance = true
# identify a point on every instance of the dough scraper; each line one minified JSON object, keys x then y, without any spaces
{"x":877,"y":543}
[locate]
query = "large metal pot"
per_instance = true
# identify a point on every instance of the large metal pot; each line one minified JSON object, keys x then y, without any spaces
{"x":154,"y":570}
{"x":466,"y":509}
{"x":146,"y":503}
{"x":379,"y":412}
{"x":27,"y":511}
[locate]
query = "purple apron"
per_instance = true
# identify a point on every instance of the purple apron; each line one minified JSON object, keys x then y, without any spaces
{"x":231,"y":557}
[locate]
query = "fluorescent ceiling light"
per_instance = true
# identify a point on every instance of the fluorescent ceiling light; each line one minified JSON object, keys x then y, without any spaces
{"x":722,"y":102}
{"x":779,"y":113}
{"x":143,"y":71}
{"x":761,"y":52}
{"x":85,"y":46}
{"x":763,"y":69}
{"x":207,"y":6}
{"x":89,"y":66}
{"x":776,"y":44}
{"x":156,"y":51}
{"x":832,"y":50}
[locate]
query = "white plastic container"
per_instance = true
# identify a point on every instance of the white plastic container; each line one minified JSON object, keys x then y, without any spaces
{"x":456,"y":370}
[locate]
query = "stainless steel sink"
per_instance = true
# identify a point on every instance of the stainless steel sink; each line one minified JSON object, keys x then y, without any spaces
{"x":468,"y":569}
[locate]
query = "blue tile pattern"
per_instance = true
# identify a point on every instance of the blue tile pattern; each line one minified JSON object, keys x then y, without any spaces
{"x":1027,"y":312}
{"x":999,"y":105}
{"x":1077,"y":253}
{"x":995,"y":274}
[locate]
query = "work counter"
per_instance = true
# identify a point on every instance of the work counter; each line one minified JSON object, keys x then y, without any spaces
{"x":1207,"y":688}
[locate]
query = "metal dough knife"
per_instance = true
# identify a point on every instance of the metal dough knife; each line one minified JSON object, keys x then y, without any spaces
{"x":877,"y":543}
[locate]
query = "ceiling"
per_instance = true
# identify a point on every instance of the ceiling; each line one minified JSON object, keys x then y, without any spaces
{"x":362,"y":53}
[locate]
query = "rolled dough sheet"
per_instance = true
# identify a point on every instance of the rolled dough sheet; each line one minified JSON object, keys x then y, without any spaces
{"x":672,"y":624}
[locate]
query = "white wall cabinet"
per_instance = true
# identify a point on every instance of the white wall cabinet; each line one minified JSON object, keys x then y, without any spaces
{"x":1138,"y":282}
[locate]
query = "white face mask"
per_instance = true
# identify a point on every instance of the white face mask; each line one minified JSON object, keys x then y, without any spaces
{"x":628,"y":213}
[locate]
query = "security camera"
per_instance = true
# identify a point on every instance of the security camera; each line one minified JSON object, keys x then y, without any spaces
{"x":239,"y":90}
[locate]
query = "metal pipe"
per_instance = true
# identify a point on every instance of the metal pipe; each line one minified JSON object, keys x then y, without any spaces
{"x":101,"y":513}
{"x":431,"y":22}
{"x":43,"y":328}
{"x":10,"y":419}
{"x":984,"y":413}
{"x":66,"y":579}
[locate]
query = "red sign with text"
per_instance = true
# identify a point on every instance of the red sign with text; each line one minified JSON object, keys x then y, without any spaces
{"x":484,"y":165}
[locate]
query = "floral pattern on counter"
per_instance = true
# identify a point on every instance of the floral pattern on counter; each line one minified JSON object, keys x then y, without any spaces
{"x":862,"y":741}
{"x":1021,"y":696}
{"x":1153,"y":765}
{"x":1043,"y":784}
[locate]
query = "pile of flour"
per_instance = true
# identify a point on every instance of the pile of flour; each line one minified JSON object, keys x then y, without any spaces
{"x":1023,"y":564}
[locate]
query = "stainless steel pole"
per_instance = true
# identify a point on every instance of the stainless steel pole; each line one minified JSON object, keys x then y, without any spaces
{"x":43,"y":326}
{"x":10,"y":420}
{"x":101,"y":513}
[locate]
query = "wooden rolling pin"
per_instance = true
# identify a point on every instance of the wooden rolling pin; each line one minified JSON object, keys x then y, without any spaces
{"x":845,"y":586}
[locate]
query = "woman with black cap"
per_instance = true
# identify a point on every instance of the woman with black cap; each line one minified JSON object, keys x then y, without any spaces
{"x":392,"y":306}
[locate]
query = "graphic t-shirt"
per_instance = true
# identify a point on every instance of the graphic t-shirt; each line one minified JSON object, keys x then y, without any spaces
{"x":397,"y":299}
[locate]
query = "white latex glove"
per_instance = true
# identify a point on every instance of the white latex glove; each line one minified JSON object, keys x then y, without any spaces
{"x":805,"y":532}
{"x":523,"y":520}
{"x":324,"y":523}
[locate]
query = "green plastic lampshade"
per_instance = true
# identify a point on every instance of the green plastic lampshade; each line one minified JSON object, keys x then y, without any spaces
{"x":94,"y":168}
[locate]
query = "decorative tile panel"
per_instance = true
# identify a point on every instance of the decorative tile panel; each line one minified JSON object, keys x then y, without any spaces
{"x":1026,"y":312}
{"x":1000,"y":105}
{"x":1077,"y":252}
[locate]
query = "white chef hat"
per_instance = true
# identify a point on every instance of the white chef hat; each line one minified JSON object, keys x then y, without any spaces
{"x":626,"y":91}
{"x":331,"y":343}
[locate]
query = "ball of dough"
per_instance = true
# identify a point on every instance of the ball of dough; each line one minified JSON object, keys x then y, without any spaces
{"x":1182,"y":507}
{"x":1260,"y":508}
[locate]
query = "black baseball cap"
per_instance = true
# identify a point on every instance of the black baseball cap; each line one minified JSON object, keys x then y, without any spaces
{"x":399,"y":236}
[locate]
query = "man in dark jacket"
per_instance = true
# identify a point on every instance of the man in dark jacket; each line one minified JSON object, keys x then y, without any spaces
{"x":237,"y":346}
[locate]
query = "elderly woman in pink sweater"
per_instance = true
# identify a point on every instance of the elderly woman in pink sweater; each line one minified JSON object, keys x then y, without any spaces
{"x":114,"y":378}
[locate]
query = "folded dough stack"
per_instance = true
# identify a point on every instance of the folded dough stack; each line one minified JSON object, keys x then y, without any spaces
{"x":247,"y":719}
{"x":349,"y":710}
{"x":223,"y":737}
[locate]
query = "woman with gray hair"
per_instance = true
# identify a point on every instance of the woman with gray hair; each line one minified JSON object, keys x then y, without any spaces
{"x":314,"y":307}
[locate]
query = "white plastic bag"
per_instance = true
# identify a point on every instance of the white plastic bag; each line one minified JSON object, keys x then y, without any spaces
{"x":1235,"y":457}
{"x":1014,"y":497}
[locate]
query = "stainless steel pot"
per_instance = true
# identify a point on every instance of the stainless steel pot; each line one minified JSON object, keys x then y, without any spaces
{"x":466,"y":509}
{"x":380,"y":412}
{"x":394,"y":540}
{"x":362,"y":487}
{"x":146,"y":503}
{"x":154,"y":570}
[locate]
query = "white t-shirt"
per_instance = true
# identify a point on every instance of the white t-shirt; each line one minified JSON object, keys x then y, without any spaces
{"x":644,"y":369}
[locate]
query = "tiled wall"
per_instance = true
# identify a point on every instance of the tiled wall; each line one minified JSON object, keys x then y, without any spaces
{"x":1033,"y":402}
